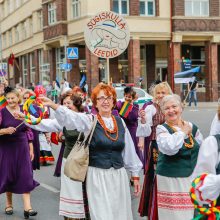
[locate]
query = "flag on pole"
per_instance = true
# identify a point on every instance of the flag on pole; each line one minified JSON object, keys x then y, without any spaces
{"x":3,"y":102}
{"x":126,"y":109}
{"x":186,"y":76}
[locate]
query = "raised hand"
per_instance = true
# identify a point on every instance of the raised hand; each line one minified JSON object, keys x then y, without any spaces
{"x":19,"y":115}
{"x":48,"y":102}
{"x":142,"y":115}
{"x":186,"y":128}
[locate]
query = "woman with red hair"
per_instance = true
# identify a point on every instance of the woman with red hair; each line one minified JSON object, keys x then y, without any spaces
{"x":111,"y":152}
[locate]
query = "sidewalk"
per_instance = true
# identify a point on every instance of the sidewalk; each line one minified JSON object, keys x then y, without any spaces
{"x":203,"y":105}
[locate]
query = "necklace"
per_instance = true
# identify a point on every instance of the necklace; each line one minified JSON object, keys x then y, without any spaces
{"x":191,"y":142}
{"x":115,"y":130}
{"x":12,"y":111}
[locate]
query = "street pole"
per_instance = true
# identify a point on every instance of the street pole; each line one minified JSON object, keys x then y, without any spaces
{"x":65,"y":48}
{"x":108,"y":72}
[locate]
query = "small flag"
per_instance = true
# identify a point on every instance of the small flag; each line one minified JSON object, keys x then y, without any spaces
{"x":3,"y":102}
{"x":125,"y":110}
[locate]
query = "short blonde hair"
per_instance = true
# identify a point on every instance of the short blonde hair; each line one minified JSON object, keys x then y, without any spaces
{"x":16,"y":92}
{"x":167,"y":98}
{"x":162,"y":85}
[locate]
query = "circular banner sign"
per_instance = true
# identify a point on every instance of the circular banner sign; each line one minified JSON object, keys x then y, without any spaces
{"x":107,"y":35}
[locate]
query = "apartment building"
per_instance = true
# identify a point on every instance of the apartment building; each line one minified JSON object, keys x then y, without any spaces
{"x":162,"y":33}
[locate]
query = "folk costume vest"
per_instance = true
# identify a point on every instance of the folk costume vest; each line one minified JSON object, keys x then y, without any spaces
{"x":105,"y":153}
{"x":181,"y":164}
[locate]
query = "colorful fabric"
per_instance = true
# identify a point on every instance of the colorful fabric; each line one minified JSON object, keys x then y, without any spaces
{"x":212,"y":211}
{"x":29,"y":110}
{"x":3,"y":102}
{"x":126,"y":109}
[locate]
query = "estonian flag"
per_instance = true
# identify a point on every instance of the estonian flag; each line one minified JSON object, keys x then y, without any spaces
{"x":186,"y":76}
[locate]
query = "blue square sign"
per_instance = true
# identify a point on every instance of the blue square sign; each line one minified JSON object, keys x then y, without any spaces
{"x":72,"y":53}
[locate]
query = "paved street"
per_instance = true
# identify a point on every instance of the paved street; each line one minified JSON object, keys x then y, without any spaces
{"x":45,"y":198}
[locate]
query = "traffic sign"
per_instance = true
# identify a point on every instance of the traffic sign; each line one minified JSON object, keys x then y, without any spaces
{"x":72,"y":53}
{"x":3,"y":66}
{"x":66,"y":66}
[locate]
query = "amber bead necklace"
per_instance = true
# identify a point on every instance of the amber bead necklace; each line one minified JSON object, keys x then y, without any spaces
{"x":115,"y":130}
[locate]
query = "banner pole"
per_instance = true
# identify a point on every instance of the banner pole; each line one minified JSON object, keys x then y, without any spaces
{"x":108,"y":72}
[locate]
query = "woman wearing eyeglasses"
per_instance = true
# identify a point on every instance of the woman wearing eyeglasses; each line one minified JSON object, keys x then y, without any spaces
{"x":111,"y":152}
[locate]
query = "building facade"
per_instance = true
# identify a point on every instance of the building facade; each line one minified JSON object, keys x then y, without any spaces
{"x":163,"y":33}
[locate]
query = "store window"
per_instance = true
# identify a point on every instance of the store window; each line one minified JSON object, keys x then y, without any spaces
{"x":76,"y":8}
{"x":52,"y":17}
{"x":44,"y":69}
{"x":147,"y":7}
{"x":121,"y":6}
{"x":32,"y":68}
{"x":123,"y":67}
{"x":197,"y":8}
{"x":60,"y":58}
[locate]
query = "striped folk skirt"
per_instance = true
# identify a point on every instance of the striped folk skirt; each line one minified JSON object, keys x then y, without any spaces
{"x":72,"y":203}
{"x":173,"y":198}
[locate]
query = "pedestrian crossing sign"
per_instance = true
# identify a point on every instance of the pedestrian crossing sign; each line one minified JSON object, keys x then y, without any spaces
{"x":72,"y":53}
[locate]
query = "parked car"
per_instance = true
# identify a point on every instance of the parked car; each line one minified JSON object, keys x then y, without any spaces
{"x":143,"y":96}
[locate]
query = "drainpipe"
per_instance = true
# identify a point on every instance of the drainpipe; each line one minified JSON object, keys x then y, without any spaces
{"x":171,"y":46}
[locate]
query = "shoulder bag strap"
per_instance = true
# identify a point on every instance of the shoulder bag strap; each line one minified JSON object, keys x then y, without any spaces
{"x":91,"y":131}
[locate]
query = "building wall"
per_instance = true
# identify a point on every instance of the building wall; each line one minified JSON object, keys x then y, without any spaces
{"x":151,"y":32}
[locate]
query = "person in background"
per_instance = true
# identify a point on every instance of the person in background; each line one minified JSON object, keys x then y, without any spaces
{"x":16,"y":153}
{"x":31,"y":86}
{"x":150,"y":118}
{"x":46,"y":155}
{"x":55,"y":92}
{"x":3,"y":101}
{"x":131,"y":120}
{"x":192,"y":89}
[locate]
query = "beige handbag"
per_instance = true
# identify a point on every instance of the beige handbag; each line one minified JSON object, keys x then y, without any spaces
{"x":77,"y":162}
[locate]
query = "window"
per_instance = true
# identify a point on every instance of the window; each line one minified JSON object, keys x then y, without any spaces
{"x":196,"y":8}
{"x":52,"y":18}
{"x":17,"y":3}
{"x":147,"y":7}
{"x":10,"y":38}
{"x":16,"y":34}
{"x":4,"y":41}
{"x":2,"y":11}
{"x":24,"y":30}
{"x":121,"y":6}
{"x":40,"y":20}
{"x":76,"y":8}
{"x":31,"y":26}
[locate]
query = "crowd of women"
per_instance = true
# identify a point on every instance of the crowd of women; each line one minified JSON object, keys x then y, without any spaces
{"x":154,"y":139}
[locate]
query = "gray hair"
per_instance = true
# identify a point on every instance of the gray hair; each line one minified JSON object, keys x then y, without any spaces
{"x":168,"y":98}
